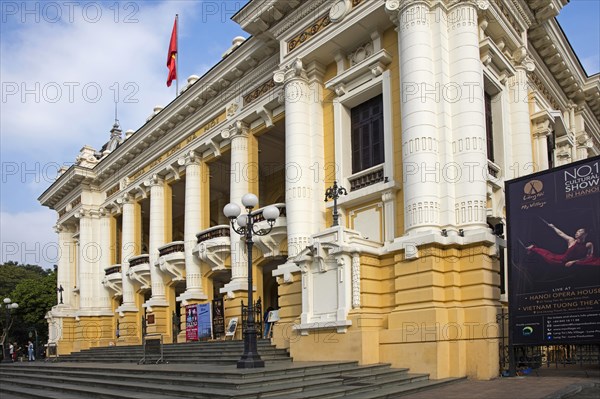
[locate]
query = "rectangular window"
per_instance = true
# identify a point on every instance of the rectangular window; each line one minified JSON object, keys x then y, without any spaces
{"x":489,"y":132}
{"x":367,"y":134}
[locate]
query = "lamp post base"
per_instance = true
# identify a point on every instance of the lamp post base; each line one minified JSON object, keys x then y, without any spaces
{"x":252,"y":361}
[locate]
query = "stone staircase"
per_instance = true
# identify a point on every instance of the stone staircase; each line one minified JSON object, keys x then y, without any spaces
{"x":216,"y":352}
{"x":288,"y":380}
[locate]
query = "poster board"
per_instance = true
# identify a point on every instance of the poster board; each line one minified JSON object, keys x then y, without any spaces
{"x":553,"y":220}
{"x":191,"y":323}
{"x":204,"y":321}
{"x":231,"y":327}
{"x":218,"y":318}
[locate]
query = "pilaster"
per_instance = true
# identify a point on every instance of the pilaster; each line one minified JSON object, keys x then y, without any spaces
{"x":542,"y":128}
{"x":66,"y":262}
{"x":520,"y":124}
{"x":157,"y":238}
{"x":196,"y":187}
{"x":299,"y":186}
{"x":129,"y":248}
{"x":469,"y":151}
{"x":239,"y":185}
{"x":104,"y":240}
{"x":421,"y":156}
{"x":87,"y":258}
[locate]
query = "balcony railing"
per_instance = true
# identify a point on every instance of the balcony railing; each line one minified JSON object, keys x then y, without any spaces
{"x":112,"y":269}
{"x":213,"y":232}
{"x":175,"y":246}
{"x":366,"y":178}
{"x":257,"y":215}
{"x":139,"y":260}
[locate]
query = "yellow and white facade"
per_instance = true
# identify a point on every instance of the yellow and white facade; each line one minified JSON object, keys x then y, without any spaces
{"x":420,"y":108}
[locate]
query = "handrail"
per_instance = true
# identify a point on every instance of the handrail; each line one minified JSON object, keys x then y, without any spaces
{"x":175,"y":246}
{"x":213,"y":232}
{"x":112,"y":269}
{"x":139,"y":260}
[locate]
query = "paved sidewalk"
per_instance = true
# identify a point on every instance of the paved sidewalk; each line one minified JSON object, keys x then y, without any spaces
{"x":547,"y":384}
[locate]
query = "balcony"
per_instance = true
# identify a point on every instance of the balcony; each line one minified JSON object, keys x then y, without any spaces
{"x":214,"y":245}
{"x":270,"y":244}
{"x":112,"y":279}
{"x":172,"y":260}
{"x":139,"y":271}
{"x":367,"y":178}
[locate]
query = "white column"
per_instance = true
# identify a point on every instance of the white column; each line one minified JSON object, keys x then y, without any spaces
{"x":194,"y":182}
{"x":128,"y":245}
{"x":101,"y":293}
{"x":317,"y":169}
{"x":87,"y":258}
{"x":541,"y":132}
{"x":65,"y":263}
{"x":237,"y":188}
{"x":468,"y":118}
{"x":299,"y":187}
{"x":520,"y":125}
{"x":156,"y":239}
{"x":420,"y":141}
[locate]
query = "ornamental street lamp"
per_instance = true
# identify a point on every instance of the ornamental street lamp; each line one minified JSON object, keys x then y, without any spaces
{"x":60,"y":290}
{"x":8,"y":306}
{"x":246,"y":227}
{"x":334,"y":193}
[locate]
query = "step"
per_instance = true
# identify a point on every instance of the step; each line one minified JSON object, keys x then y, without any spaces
{"x":125,"y":386}
{"x":294,"y":381}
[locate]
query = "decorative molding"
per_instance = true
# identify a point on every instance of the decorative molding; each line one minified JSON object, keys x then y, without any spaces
{"x":319,"y":25}
{"x":258,"y":92}
{"x":299,"y":15}
{"x":355,"y":281}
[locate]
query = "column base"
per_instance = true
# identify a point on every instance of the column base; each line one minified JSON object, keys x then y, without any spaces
{"x":235,"y":285}
{"x":192,"y":296}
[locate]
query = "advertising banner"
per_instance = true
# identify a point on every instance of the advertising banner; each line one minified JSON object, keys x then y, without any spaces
{"x":218,"y":318}
{"x":191,"y":323}
{"x":204,"y":321}
{"x":553,"y":221}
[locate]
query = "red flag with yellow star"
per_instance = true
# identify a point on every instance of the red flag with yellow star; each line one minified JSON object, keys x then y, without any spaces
{"x":172,"y":56}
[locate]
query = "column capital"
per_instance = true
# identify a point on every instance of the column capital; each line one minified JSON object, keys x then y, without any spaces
{"x":59,"y":228}
{"x":237,"y":129}
{"x":191,"y":158}
{"x":543,"y":128}
{"x":126,"y":198}
{"x":154,"y":180}
{"x":81,"y":213}
{"x":287,"y":73}
{"x":523,"y":60}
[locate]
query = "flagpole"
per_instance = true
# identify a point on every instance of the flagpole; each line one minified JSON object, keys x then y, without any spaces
{"x":177,"y":57}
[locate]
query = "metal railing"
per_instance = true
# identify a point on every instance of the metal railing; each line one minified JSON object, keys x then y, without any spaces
{"x":213,"y":232}
{"x":139,"y":260}
{"x":176,"y":246}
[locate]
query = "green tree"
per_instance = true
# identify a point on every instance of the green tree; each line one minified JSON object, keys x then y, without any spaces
{"x":34,"y":289}
{"x":11,"y":273}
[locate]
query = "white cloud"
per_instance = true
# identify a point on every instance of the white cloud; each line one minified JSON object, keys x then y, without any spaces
{"x":27,"y":237}
{"x":66,"y":76}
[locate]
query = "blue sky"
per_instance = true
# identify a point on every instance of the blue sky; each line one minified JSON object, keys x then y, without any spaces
{"x":64,"y":64}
